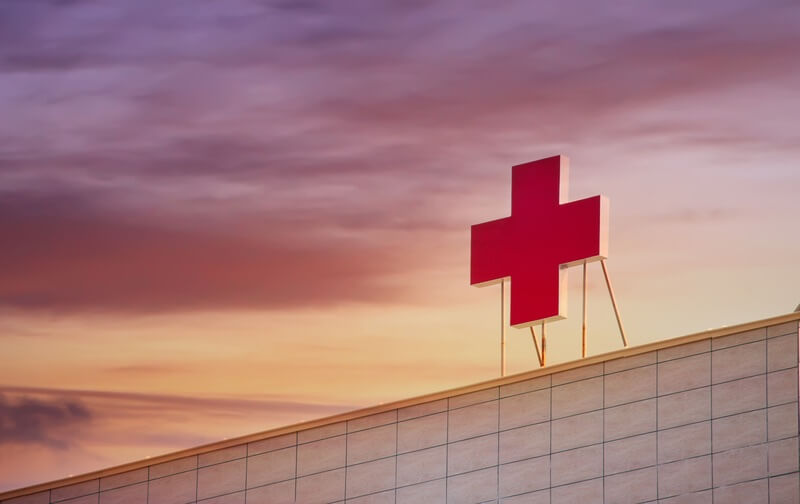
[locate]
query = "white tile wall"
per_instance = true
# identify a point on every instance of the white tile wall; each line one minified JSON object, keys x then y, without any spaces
{"x":681,"y":425}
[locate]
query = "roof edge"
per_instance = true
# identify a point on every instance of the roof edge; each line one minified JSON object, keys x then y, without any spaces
{"x":351,"y":415}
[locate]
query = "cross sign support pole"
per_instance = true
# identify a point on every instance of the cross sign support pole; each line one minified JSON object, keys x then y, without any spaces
{"x":539,"y":354}
{"x":502,"y":327}
{"x":583,"y":331}
{"x":544,"y":343}
{"x":614,"y":302}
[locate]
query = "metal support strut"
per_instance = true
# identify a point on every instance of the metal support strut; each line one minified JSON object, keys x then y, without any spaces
{"x":539,"y":354}
{"x":583,"y":329}
{"x":614,"y":303}
{"x":502,"y":327}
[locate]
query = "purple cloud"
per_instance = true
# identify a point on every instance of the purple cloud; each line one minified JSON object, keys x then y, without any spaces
{"x":194,"y":155}
{"x":33,"y":420}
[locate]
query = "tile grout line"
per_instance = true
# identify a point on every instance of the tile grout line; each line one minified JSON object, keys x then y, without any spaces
{"x":797,"y":373}
{"x":447,"y":453}
{"x":604,"y":433}
{"x":346,"y":442}
{"x":396,"y":449}
{"x":550,"y":442}
{"x":657,"y":436}
{"x":296,"y":456}
{"x":787,"y":403}
{"x":524,"y":426}
{"x":766,"y":411}
{"x":246,"y":463}
{"x":380,"y":458}
{"x":711,"y":418}
{"x":497,"y":494}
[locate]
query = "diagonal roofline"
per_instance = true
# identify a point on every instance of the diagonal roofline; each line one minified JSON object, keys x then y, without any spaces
{"x":351,"y":415}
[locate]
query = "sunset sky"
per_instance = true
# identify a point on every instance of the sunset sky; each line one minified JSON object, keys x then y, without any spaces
{"x":222,"y":217}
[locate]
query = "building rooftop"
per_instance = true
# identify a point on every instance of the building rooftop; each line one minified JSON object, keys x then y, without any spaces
{"x":774,"y":326}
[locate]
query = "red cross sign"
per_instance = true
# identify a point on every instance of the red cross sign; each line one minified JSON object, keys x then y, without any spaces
{"x":543,"y":236}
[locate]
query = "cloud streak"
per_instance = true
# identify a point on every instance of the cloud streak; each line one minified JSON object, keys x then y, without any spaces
{"x":31,"y":420}
{"x":100,"y":428}
{"x":73,"y":401}
{"x":86,"y":261}
{"x":77,"y":419}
